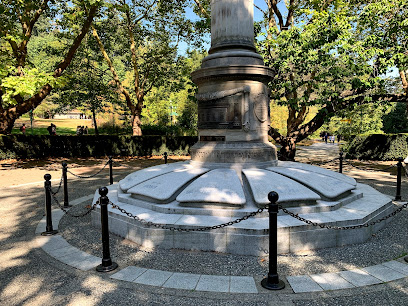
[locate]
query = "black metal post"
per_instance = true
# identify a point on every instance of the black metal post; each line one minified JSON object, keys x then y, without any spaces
{"x":341,"y":162}
{"x":272,"y":282}
{"x":399,"y":173}
{"x":406,"y":258}
{"x":65,"y":180}
{"x":165,"y":157}
{"x":107,"y":265}
{"x":110,"y":170}
{"x":49,"y":231}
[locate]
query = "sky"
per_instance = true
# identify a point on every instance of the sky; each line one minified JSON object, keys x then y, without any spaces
{"x":257,"y":17}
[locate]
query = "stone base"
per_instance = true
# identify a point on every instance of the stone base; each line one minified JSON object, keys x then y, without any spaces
{"x":250,"y":237}
{"x":234,"y":153}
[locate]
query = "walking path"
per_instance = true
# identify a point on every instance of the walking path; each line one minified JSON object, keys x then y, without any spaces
{"x":60,"y":271}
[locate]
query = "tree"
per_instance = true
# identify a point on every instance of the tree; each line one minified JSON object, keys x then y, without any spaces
{"x":152,"y":30}
{"x":323,"y":55}
{"x":22,"y":85}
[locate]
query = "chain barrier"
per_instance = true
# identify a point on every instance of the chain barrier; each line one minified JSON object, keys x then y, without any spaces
{"x":66,"y":211}
{"x":90,"y":176}
{"x":59,"y":187}
{"x":369,"y":170}
{"x":178,"y":229}
{"x":296,"y":216}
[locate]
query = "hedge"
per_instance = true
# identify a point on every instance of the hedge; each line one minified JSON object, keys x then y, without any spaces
{"x":378,"y":147}
{"x":22,"y":146}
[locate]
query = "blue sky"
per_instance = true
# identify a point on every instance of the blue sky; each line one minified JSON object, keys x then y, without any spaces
{"x":257,"y":16}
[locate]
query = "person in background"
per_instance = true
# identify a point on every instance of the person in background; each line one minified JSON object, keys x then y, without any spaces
{"x":53,"y":129}
{"x":23,"y":129}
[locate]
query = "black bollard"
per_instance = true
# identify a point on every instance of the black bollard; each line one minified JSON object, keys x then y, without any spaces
{"x":65,"y":180}
{"x":341,"y":162}
{"x":399,"y":173}
{"x":49,"y":231}
{"x":110,"y":170}
{"x":406,"y":258}
{"x":165,"y":157}
{"x":272,"y":282}
{"x":107,"y":265}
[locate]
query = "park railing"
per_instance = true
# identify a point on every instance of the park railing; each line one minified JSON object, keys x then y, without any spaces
{"x":271,"y":282}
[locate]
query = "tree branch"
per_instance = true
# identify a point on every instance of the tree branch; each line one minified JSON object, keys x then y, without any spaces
{"x":261,"y":10}
{"x":291,"y":10}
{"x":274,"y":4}
{"x":202,"y":9}
{"x":113,"y":71}
{"x":77,"y":41}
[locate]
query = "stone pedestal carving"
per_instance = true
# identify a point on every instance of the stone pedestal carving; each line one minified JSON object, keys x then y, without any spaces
{"x":233,"y":96}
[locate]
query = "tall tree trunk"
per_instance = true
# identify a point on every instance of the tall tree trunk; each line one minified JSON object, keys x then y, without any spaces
{"x":94,"y":120}
{"x":6,"y":122}
{"x":136,"y":124}
{"x":288,"y":149}
{"x":403,"y":75}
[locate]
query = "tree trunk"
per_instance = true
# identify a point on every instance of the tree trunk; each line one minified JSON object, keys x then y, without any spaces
{"x":136,"y":124}
{"x":94,"y":121}
{"x":6,"y":122}
{"x":403,"y":75}
{"x":288,"y":149}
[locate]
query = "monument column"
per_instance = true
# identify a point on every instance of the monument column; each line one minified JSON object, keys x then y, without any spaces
{"x":233,"y":96}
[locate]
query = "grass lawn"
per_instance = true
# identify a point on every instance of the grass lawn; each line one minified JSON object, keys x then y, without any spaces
{"x":64,"y":126}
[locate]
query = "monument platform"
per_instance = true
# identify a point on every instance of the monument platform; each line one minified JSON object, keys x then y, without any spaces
{"x":188,"y":195}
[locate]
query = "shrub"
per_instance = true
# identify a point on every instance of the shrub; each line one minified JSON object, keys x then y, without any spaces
{"x":378,"y":147}
{"x":21,"y":146}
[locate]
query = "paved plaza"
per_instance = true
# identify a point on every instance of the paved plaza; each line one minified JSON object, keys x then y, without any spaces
{"x":60,"y":270}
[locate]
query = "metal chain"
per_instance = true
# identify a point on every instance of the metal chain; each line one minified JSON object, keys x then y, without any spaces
{"x":90,"y":176}
{"x":296,"y":216}
{"x":67,"y":211}
{"x":178,"y":229}
{"x":59,"y":187}
{"x":369,"y":170}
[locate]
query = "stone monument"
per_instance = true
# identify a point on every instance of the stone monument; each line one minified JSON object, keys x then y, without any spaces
{"x":233,"y":167}
{"x":233,"y":96}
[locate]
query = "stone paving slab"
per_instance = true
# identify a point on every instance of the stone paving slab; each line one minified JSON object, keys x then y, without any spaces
{"x":331,"y":281}
{"x":383,"y":273}
{"x":129,"y":274}
{"x":61,"y":252}
{"x":242,"y":284}
{"x":214,"y":283}
{"x":182,"y":281}
{"x":81,"y":260}
{"x":303,"y":283}
{"x":49,"y":243}
{"x":153,"y":277}
{"x":359,"y":278}
{"x":397,"y":266}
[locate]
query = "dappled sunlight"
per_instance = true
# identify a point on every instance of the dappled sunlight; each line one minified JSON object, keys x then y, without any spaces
{"x":255,"y":174}
{"x":41,"y":298}
{"x":23,"y":287}
{"x":215,"y":194}
{"x":15,"y":256}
